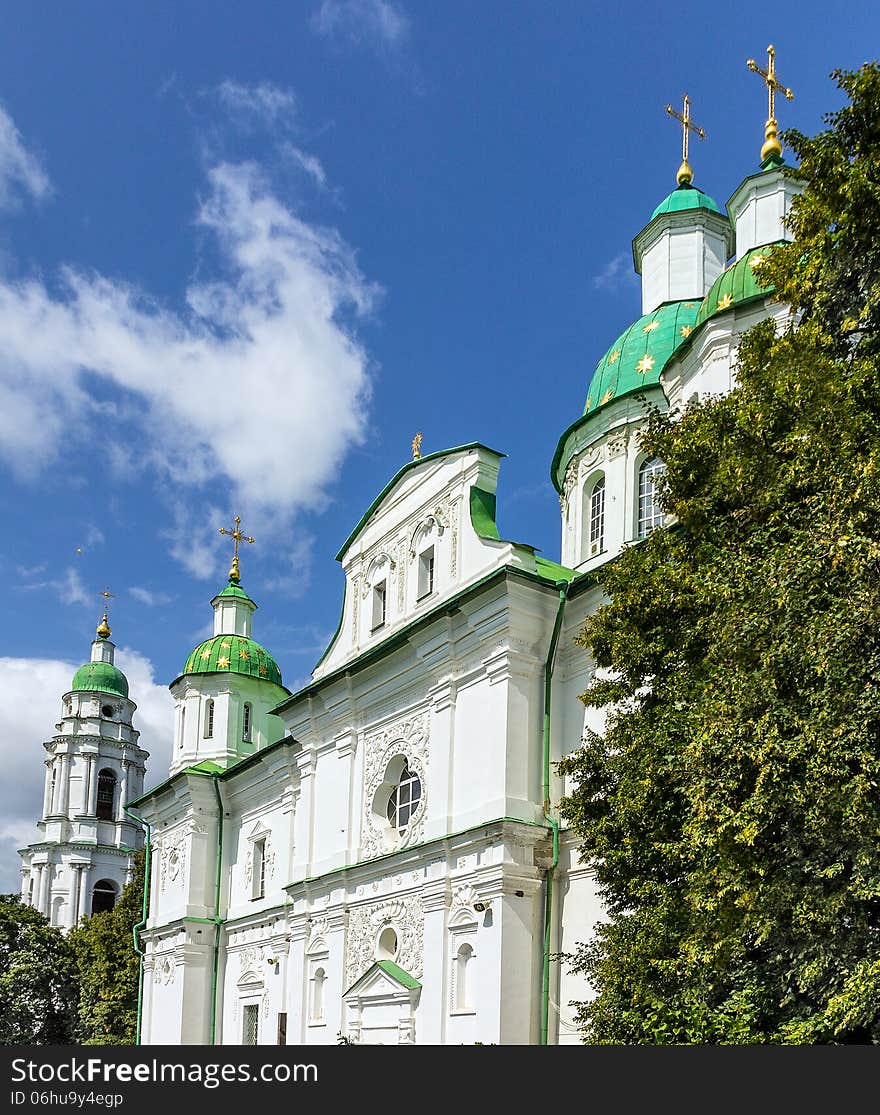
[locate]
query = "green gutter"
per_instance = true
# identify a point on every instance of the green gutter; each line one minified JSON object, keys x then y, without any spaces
{"x":142,"y":924}
{"x":217,"y":919}
{"x":551,"y":821}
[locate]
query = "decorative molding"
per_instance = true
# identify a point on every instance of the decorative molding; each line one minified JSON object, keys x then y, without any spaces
{"x":172,"y":855}
{"x":407,"y":737}
{"x":365,"y":923}
{"x":453,"y":521}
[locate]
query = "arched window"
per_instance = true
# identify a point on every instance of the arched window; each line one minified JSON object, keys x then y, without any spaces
{"x":597,"y":518}
{"x":387,"y":944}
{"x":462,"y":959}
{"x":209,"y":719}
{"x":246,"y":723}
{"x":650,"y":514}
{"x":103,"y":896}
{"x":404,"y":799}
{"x":318,"y":995}
{"x":106,"y":794}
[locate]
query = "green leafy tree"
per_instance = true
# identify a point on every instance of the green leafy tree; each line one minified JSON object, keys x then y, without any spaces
{"x":38,"y":979}
{"x":108,"y":968}
{"x":731,"y":805}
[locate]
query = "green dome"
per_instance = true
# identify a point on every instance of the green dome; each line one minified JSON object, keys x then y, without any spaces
{"x":685,"y":197}
{"x":739,"y":283}
{"x":101,"y":677}
{"x":637,"y":357}
{"x":233,"y":654}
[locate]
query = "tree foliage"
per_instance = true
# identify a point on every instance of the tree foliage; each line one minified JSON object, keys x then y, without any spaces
{"x":38,"y":978}
{"x":108,"y":968}
{"x":731,"y":805}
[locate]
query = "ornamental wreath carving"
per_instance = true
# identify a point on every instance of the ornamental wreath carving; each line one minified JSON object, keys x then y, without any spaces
{"x":407,"y":737}
{"x":365,"y":924}
{"x":172,"y":857}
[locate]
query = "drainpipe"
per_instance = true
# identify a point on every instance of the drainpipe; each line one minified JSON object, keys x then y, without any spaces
{"x":551,"y":821}
{"x":142,"y":924}
{"x":217,"y":919}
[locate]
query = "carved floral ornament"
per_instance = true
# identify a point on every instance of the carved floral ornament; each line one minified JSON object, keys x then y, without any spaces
{"x":365,"y":926}
{"x":405,"y":739}
{"x":436,"y":521}
{"x":385,"y":558}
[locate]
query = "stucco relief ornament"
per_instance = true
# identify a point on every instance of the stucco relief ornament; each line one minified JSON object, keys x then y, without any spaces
{"x":164,"y":970}
{"x":590,"y":459}
{"x":408,"y":738}
{"x":464,"y":897}
{"x":453,"y":519}
{"x":251,"y":960}
{"x":365,"y":924}
{"x":268,"y":863}
{"x":568,"y":483}
{"x":319,"y":930}
{"x":172,"y":858}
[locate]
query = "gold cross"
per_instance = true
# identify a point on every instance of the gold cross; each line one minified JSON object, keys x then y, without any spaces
{"x":772,"y":146}
{"x":685,"y":175}
{"x":417,"y":446}
{"x":237,"y":535}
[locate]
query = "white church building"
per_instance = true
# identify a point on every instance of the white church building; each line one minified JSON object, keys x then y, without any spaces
{"x":379,"y":857}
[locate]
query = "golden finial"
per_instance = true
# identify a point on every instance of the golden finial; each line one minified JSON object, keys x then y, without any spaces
{"x":772,"y":147}
{"x":417,"y":446}
{"x":103,"y":629}
{"x":685,"y":175}
{"x":237,"y":535}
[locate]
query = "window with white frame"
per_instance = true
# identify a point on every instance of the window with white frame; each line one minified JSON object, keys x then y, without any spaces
{"x":259,"y":869}
{"x":246,"y":717}
{"x":380,"y":593}
{"x":182,"y":725}
{"x":650,"y":513}
{"x":250,"y":1027}
{"x":404,"y":799}
{"x":426,"y":573}
{"x":209,"y":719}
{"x":597,"y":518}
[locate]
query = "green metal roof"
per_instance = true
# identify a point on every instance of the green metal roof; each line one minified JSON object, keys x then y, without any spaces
{"x":637,"y":357}
{"x":232,"y":589}
{"x":686,"y":197}
{"x":398,"y":973}
{"x":739,"y":283}
{"x":100,"y":677}
{"x":233,"y":654}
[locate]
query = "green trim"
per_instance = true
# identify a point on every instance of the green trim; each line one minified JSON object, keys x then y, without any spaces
{"x":408,"y":467}
{"x":396,"y":972}
{"x":411,"y":848}
{"x":232,"y":589}
{"x":483,"y":513}
{"x":398,"y":638}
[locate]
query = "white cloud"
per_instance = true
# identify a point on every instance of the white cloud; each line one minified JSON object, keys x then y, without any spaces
{"x":69,"y":587}
{"x":378,"y":23}
{"x":615,"y":273}
{"x":311,"y":164}
{"x":20,"y":170}
{"x":264,"y":104}
{"x":260,"y":384}
{"x":151,"y":599}
{"x":30,"y":694}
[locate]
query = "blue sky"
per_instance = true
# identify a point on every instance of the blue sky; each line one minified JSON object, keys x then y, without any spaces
{"x":246,"y":251}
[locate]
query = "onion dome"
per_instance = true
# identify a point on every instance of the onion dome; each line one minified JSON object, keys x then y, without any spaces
{"x":741,"y":282}
{"x":638,"y":356}
{"x":100,"y":677}
{"x":233,"y":654}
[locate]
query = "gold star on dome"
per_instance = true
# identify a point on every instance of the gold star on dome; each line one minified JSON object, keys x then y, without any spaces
{"x":651,"y":326}
{"x":645,"y":364}
{"x":243,"y":653}
{"x":606,"y":397}
{"x":263,"y":671}
{"x":612,"y":359}
{"x":206,"y":654}
{"x":223,"y":661}
{"x":686,"y":330}
{"x":725,"y":302}
{"x":226,"y":645}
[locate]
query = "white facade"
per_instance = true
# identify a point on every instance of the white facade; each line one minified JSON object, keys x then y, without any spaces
{"x":82,"y":857}
{"x":385,"y":868}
